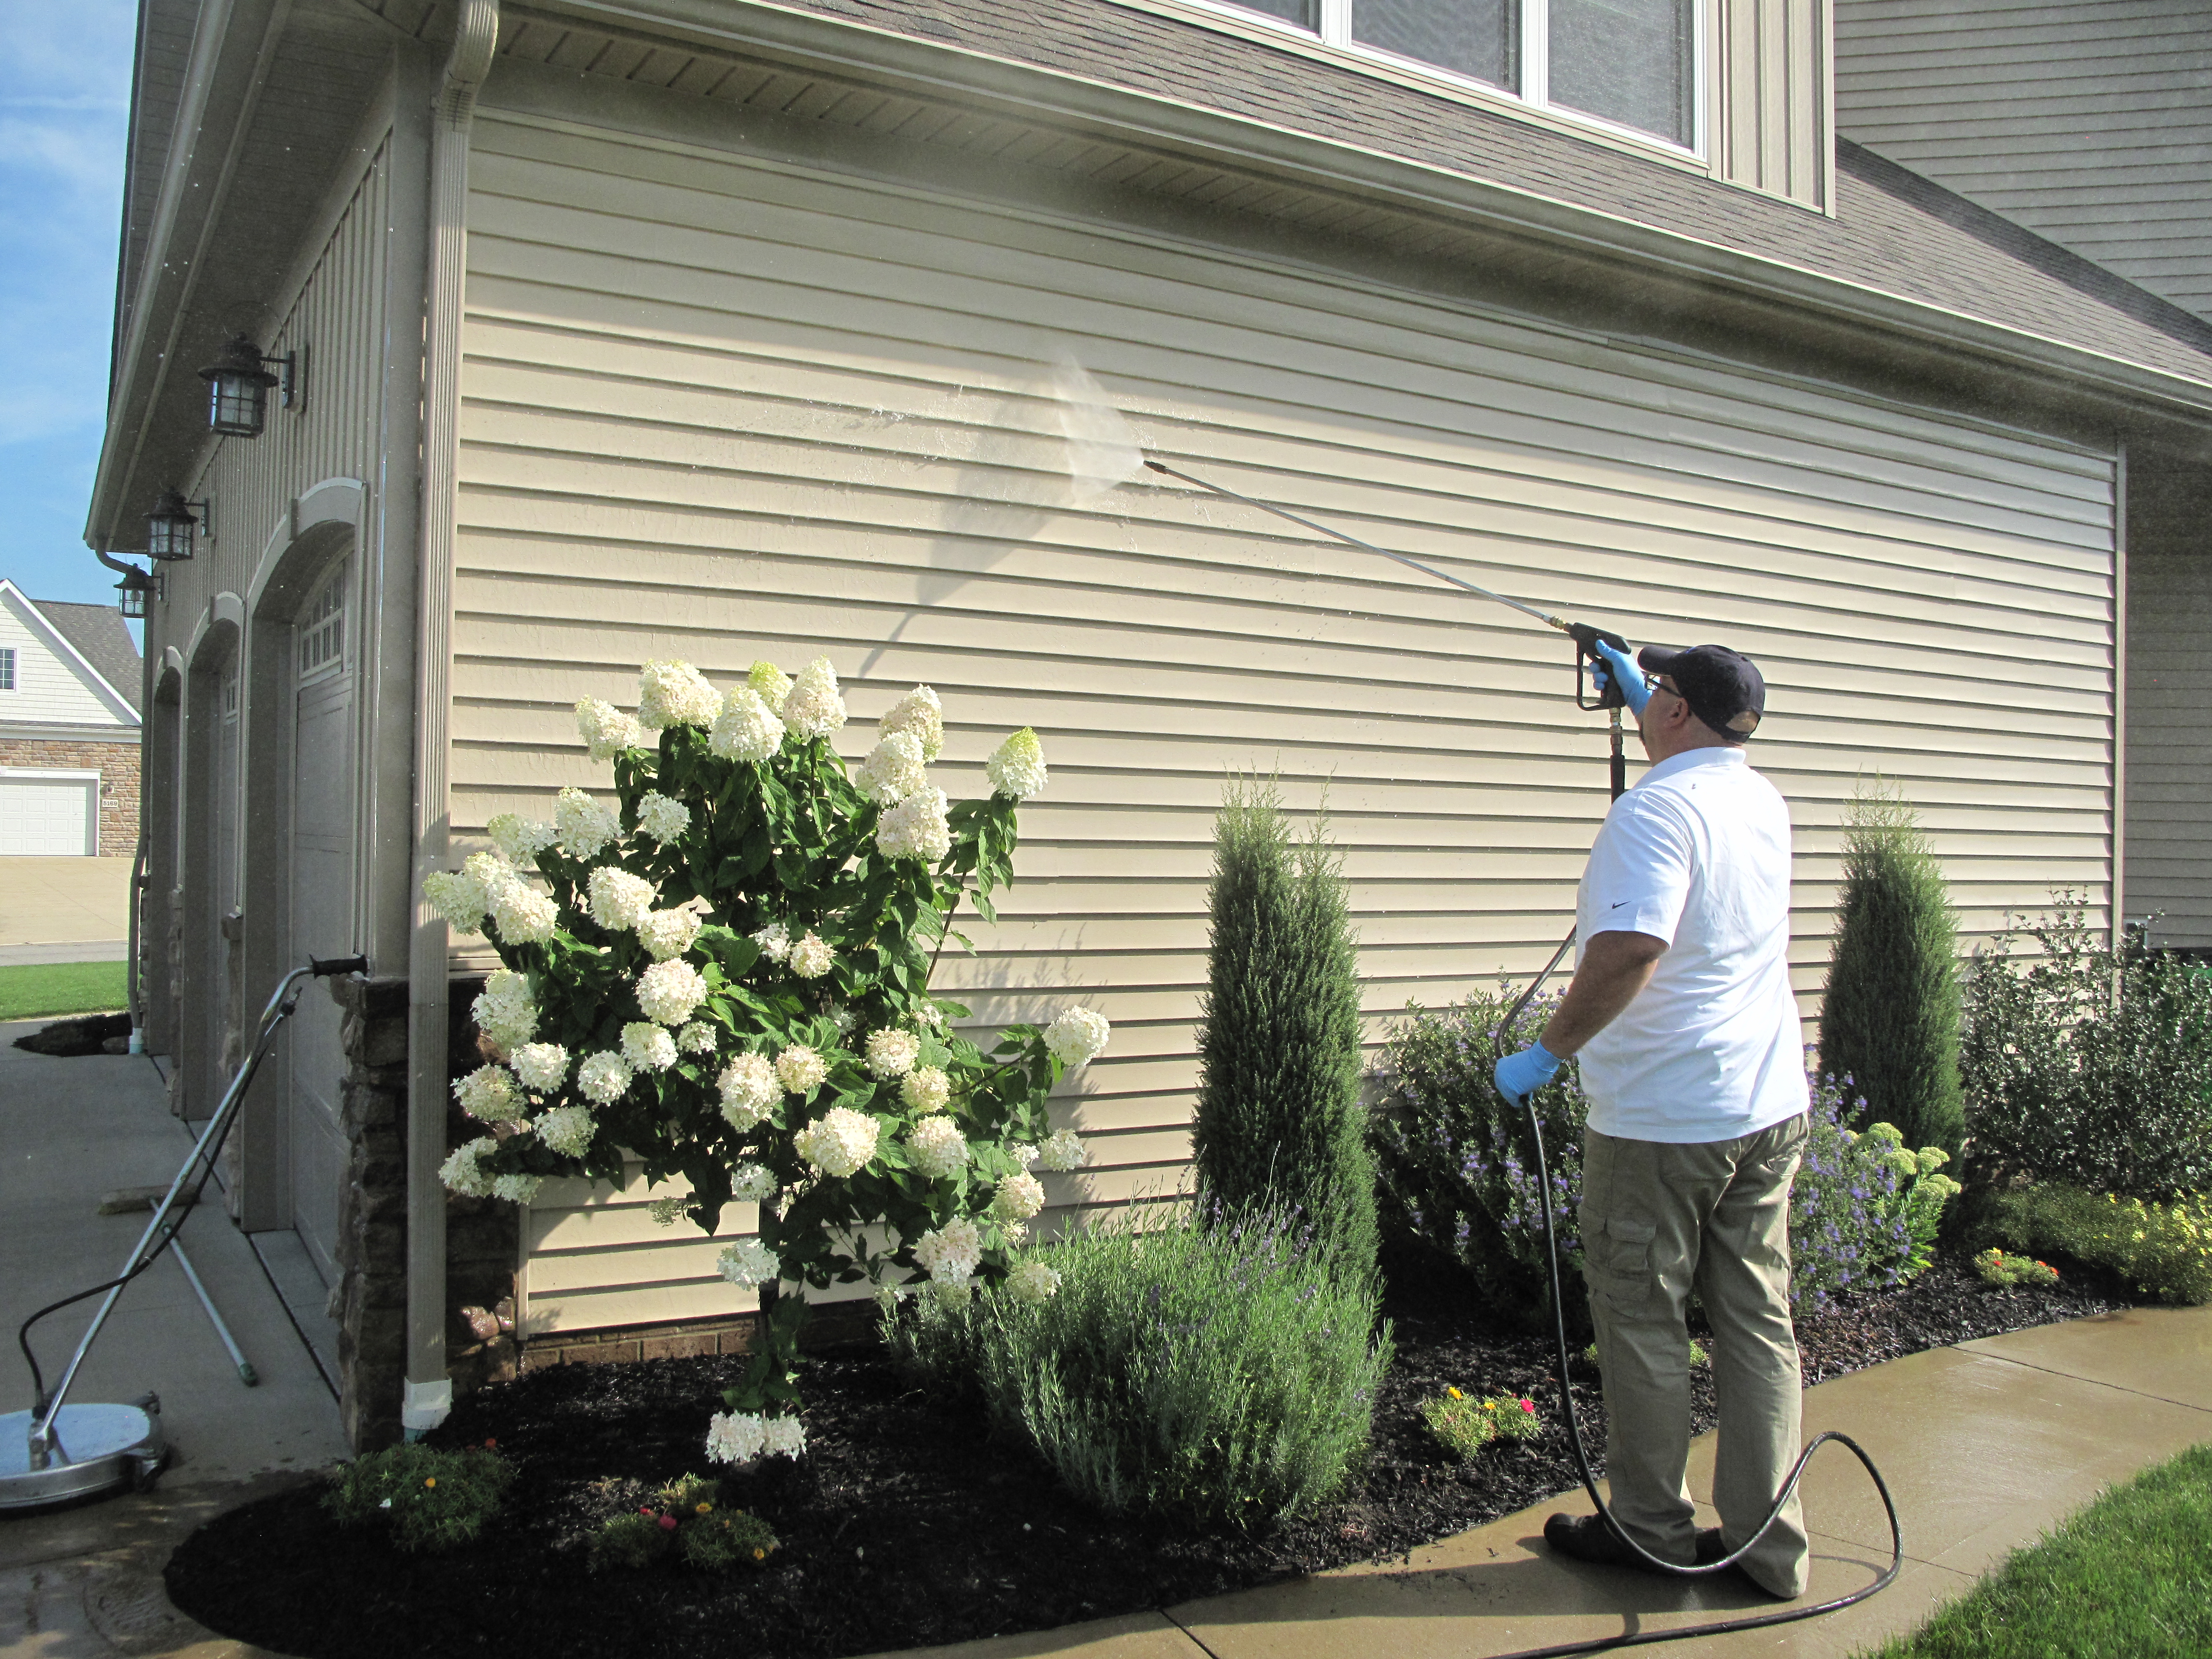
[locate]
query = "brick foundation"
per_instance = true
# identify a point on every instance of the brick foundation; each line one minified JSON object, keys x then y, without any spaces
{"x":828,"y":1329}
{"x":116,"y":760}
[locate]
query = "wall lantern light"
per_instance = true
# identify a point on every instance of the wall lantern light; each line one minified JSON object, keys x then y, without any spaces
{"x":133,"y":590}
{"x":171,"y":527}
{"x":238,"y":387}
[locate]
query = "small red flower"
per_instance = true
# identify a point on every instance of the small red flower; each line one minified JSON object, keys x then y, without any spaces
{"x":646,"y":1513}
{"x":668,"y":1523}
{"x":490,"y":1444}
{"x":1529,"y":1406}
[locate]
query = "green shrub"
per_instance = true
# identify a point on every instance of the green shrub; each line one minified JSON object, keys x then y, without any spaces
{"x":721,"y":1539}
{"x":685,"y":1519}
{"x":1278,"y":1120}
{"x":1865,"y":1208}
{"x":634,"y":1540}
{"x":431,"y":1500}
{"x":1214,"y":1372}
{"x":1889,"y":1018}
{"x":2088,"y":1065}
{"x":2164,"y":1249}
{"x":1456,"y":1170}
{"x":1464,"y":1425}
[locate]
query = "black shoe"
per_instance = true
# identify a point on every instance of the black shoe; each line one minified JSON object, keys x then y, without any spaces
{"x":1711,"y":1549}
{"x":1587,"y":1538}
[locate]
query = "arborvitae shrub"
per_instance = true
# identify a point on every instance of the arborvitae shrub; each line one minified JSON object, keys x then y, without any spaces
{"x":1889,"y":1021}
{"x":1279,"y":1118}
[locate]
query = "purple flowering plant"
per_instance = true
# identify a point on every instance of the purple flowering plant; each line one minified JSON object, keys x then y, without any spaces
{"x":1864,"y":1210}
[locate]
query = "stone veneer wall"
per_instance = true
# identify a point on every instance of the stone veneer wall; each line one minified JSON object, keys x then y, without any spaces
{"x":116,"y":760}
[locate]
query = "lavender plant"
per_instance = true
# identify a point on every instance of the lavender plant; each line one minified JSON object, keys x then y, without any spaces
{"x":1865,"y":1208}
{"x":725,"y":975}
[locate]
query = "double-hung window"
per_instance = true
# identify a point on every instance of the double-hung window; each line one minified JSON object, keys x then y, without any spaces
{"x":1629,"y":62}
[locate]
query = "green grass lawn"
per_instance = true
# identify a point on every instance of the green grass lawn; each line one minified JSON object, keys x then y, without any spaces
{"x":33,"y":991}
{"x":2129,"y":1576}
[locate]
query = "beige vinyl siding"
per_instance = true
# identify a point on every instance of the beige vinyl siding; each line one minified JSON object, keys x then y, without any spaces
{"x":2169,"y":747}
{"x":719,"y":408}
{"x":1769,"y":108}
{"x":335,"y":315}
{"x":2088,"y":123}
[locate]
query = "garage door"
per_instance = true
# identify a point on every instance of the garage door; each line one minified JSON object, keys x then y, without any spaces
{"x":49,"y":813}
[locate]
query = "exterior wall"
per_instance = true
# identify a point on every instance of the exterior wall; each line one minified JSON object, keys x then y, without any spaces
{"x":721,"y":407}
{"x":1770,"y":116}
{"x":116,"y":760}
{"x":2087,"y":123}
{"x":2169,"y":696}
{"x":50,"y":687}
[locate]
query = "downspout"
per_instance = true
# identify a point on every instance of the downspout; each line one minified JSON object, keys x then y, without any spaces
{"x":429,"y":1391}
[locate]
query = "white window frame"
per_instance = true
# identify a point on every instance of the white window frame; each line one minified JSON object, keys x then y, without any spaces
{"x":14,"y":662}
{"x":1335,"y":40}
{"x":335,"y":586}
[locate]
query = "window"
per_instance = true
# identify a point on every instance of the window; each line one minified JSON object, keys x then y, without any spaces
{"x":7,"y":668}
{"x":322,"y":625}
{"x":1630,"y":62}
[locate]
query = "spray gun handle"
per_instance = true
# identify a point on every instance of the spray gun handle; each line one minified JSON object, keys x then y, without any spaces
{"x":1586,"y":640}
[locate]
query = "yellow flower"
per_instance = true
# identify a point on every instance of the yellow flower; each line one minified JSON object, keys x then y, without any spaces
{"x":1455,"y":1394}
{"x":430,"y":1480}
{"x":760,"y":1555}
{"x":704,"y":1509}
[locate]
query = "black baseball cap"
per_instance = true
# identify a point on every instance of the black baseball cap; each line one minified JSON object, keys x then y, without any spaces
{"x":1724,"y":688}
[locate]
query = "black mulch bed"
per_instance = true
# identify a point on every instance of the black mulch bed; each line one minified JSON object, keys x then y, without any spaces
{"x":907,"y":1525}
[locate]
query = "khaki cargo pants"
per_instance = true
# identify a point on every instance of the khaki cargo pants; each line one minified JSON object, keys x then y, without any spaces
{"x":1659,"y":1219}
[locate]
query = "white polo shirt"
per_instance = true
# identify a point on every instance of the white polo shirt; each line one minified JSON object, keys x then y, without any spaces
{"x":1697,"y":854}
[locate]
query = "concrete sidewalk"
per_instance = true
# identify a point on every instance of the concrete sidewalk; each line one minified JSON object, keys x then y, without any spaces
{"x":86,"y":1581}
{"x":47,"y":902}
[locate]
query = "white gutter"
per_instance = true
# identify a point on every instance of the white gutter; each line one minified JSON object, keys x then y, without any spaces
{"x":429,"y":1394}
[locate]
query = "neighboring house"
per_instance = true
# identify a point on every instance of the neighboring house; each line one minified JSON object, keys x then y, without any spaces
{"x":726,"y":330}
{"x":2091,"y":125}
{"x":68,"y":729}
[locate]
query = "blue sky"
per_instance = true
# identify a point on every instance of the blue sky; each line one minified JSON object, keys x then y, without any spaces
{"x":64,"y":103}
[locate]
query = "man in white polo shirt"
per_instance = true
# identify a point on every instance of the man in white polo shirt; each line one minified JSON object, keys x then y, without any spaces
{"x":1694,"y":1061}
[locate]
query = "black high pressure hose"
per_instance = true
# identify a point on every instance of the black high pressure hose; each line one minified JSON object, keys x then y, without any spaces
{"x":1600,"y":1644}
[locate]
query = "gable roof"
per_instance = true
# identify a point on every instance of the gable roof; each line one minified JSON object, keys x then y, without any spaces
{"x":89,"y":639}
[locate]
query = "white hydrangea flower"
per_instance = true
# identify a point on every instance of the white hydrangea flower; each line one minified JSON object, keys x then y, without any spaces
{"x":735,"y":1437}
{"x":662,"y":816}
{"x":915,"y":828}
{"x":603,"y":1077}
{"x":748,"y":1262}
{"x":566,"y":1129}
{"x":541,"y":1065}
{"x":810,"y":957}
{"x":646,"y":1047}
{"x":619,"y":899}
{"x":523,"y":915}
{"x":782,"y":1436}
{"x":669,"y":992}
{"x":839,"y":1142}
{"x":893,"y":769}
{"x":753,"y":1183}
{"x":697,"y":1038}
{"x":1014,"y":1232}
{"x":930,"y":1014}
{"x":814,"y":708}
{"x":516,"y":1188}
{"x":458,"y":897}
{"x":951,"y":1254}
{"x":751,"y":1090}
{"x":747,"y":728}
{"x":800,"y":1069}
{"x":1032,"y":1281}
{"x":489,"y":872}
{"x":667,"y":1211}
{"x":1020,"y":1196}
{"x":490,"y":1094}
{"x":504,"y":1012}
{"x":606,"y":730}
{"x":462,"y":1171}
{"x":666,"y":934}
{"x":675,"y":694}
{"x":583,"y":824}
{"x":520,"y":840}
{"x":892,"y":1053}
{"x":925,"y":1089}
{"x":1017,"y":770}
{"x":1063,"y":1150}
{"x":768,"y":683}
{"x":1076,"y":1036}
{"x":775,"y":941}
{"x":920,"y":716}
{"x":939,"y":1150}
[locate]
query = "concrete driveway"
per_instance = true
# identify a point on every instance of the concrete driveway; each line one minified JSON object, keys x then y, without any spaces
{"x":55,"y":909}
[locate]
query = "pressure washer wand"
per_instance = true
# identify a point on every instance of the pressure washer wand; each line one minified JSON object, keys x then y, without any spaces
{"x":1586,"y":638}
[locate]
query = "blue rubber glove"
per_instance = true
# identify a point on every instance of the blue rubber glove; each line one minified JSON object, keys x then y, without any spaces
{"x":1621,"y":668}
{"x":1518,"y":1076}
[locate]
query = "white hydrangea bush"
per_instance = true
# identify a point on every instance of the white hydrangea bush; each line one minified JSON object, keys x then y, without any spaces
{"x":725,"y":973}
